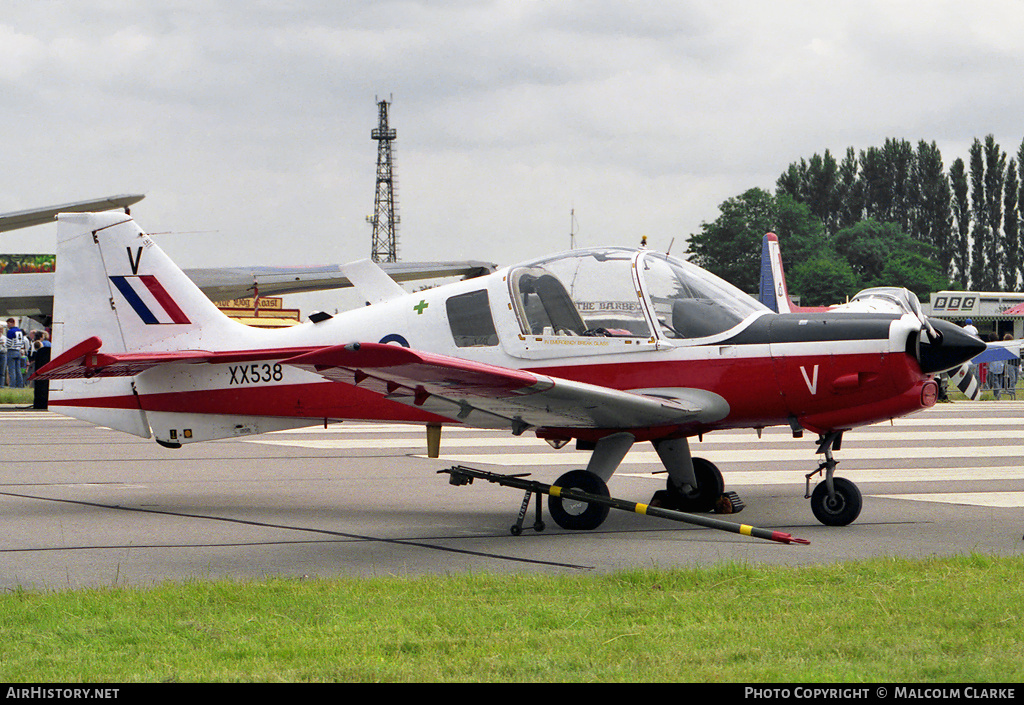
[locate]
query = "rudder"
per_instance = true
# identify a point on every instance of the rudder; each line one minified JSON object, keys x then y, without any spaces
{"x":114,"y":282}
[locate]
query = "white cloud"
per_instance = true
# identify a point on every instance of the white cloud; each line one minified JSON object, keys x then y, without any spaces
{"x":253,"y":119}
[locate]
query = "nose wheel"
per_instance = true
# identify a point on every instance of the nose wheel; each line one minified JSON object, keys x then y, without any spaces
{"x":836,"y":501}
{"x":840,"y":508}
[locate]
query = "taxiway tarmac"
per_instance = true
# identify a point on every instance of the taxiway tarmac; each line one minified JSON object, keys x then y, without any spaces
{"x":86,"y":506}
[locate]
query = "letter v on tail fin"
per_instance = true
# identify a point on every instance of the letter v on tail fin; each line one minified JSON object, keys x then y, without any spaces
{"x":113,"y":282}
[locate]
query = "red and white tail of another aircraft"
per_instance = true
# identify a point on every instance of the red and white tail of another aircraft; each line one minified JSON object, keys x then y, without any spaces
{"x":609,"y":347}
{"x":774,"y":292}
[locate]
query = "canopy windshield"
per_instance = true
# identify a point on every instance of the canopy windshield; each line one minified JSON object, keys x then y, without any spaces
{"x":584,"y":292}
{"x":598,"y":292}
{"x":690,"y":302}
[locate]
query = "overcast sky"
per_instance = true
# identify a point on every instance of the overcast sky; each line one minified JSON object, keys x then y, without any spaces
{"x":247,"y":124}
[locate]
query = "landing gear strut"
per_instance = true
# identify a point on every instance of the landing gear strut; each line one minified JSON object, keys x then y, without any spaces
{"x":836,"y":501}
{"x":694,"y":484}
{"x":700,"y":498}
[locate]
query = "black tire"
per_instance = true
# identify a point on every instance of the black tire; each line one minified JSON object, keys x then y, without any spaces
{"x":840,"y":511}
{"x":710,"y":487}
{"x":579,"y":516}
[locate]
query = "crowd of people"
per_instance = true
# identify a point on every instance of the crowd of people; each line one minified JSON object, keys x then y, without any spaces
{"x":22,"y":354}
{"x":997,"y":376}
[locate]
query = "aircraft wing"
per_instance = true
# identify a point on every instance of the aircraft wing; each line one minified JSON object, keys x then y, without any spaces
{"x":48,"y":214}
{"x":32,"y":294}
{"x":498,"y":397}
{"x":225,"y":283}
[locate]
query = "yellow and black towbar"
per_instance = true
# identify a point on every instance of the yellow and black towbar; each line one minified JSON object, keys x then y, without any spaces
{"x":461,"y":475}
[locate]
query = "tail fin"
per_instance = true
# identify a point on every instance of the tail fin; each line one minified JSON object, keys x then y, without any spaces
{"x":773,"y":293}
{"x":115,"y":283}
{"x":116,"y":292}
{"x":121,"y":306}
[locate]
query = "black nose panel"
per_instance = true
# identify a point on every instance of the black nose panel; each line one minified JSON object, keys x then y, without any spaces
{"x":954,"y":347}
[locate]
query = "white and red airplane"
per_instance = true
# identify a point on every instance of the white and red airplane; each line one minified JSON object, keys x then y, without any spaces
{"x":609,"y":347}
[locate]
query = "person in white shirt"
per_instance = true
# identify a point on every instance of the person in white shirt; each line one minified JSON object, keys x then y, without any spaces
{"x":14,"y":342}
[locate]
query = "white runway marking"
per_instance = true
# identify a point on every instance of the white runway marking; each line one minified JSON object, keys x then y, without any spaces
{"x":991,"y":430}
{"x":1005,"y":500}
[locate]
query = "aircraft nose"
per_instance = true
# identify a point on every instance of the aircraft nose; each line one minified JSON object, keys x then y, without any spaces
{"x":953,"y":347}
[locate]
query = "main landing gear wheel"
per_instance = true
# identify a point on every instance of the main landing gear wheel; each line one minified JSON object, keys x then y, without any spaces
{"x":840,"y":510}
{"x":703,"y":498}
{"x":580,"y":516}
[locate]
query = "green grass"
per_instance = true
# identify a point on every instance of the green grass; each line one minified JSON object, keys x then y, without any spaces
{"x":938,"y":620}
{"x":956,"y":395}
{"x":22,"y":396}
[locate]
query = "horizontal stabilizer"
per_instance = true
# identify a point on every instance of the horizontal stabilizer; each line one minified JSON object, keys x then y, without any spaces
{"x":85,"y":360}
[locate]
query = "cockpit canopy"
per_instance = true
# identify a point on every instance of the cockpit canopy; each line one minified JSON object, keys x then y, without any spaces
{"x":624,"y":293}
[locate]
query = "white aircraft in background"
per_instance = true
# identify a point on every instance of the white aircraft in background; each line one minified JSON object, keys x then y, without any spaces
{"x":32,"y":294}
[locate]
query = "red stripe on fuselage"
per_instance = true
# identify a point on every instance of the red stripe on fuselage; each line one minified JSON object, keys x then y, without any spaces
{"x":767,"y":391}
{"x":760,"y":392}
{"x":317,"y":400}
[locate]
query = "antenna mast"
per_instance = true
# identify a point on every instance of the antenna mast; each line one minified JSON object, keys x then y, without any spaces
{"x":385,"y":216}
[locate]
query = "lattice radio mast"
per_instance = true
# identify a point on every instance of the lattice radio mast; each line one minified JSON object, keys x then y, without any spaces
{"x":385,"y":205}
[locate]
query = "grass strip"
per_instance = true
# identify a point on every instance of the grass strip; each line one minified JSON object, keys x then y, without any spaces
{"x":887,"y":620}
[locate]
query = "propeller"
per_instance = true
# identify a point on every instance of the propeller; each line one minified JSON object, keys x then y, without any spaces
{"x":915,"y":307}
{"x":944,"y":345}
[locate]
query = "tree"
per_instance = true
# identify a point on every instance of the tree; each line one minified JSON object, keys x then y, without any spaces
{"x":898,"y":157}
{"x":1020,"y":209}
{"x":821,"y":190}
{"x":1011,"y":229}
{"x":851,"y":200}
{"x":931,"y":218}
{"x":995,"y":174}
{"x":880,"y":254}
{"x":972,"y":216}
{"x":914,"y":271}
{"x":886,"y":177}
{"x":961,"y":246}
{"x":791,"y":181}
{"x":731,"y":245}
{"x":979,"y":230}
{"x":823,"y":280}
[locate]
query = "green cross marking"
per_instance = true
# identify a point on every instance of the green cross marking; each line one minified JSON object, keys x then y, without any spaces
{"x":418,"y":308}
